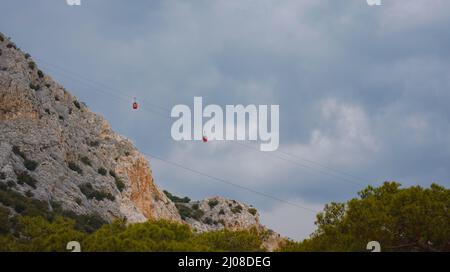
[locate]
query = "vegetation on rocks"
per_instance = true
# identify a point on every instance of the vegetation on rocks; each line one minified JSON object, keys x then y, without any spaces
{"x":92,"y":193}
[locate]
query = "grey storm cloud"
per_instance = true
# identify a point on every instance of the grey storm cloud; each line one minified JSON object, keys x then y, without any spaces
{"x":362,"y":90}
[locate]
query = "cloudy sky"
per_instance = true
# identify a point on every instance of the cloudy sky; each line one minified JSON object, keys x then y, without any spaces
{"x":364,"y":91}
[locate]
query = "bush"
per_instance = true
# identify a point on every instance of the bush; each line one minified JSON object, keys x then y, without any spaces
{"x":77,"y":104}
{"x":1,"y":52}
{"x":237,"y":209}
{"x":30,"y":164}
{"x":34,"y":87}
{"x":74,"y":167}
{"x":102,"y":171}
{"x":19,"y":207}
{"x":195,"y":206}
{"x":86,"y":161}
{"x":1,"y":38}
{"x":94,"y":143}
{"x":177,"y":199}
{"x":33,"y":210}
{"x":2,"y":176}
{"x":27,"y":56}
{"x":10,"y":184}
{"x":400,"y":219}
{"x":252,"y":211}
{"x":208,"y":221}
{"x":233,"y":241}
{"x":5,"y":224}
{"x":24,"y":178}
{"x":31,"y":65}
{"x":18,"y":152}
{"x":213,"y":202}
{"x":119,"y":184}
{"x":112,"y":173}
{"x":91,"y":193}
{"x":221,"y":212}
{"x":40,"y":74}
{"x":187,"y":212}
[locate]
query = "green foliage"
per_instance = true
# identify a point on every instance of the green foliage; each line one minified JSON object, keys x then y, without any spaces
{"x":38,"y":229}
{"x":30,"y":207}
{"x":94,"y":143}
{"x":213,"y":202}
{"x":236,"y":209}
{"x":40,"y":74}
{"x":22,"y":204}
{"x":208,"y":221}
{"x":10,"y":184}
{"x":177,"y":199}
{"x":27,"y":56}
{"x":5,"y":224}
{"x":41,"y":235}
{"x":150,"y":236}
{"x":34,"y":87}
{"x":86,"y":161}
{"x":30,"y":164}
{"x":234,"y":241}
{"x":119,"y":184}
{"x":185,"y":211}
{"x":25,"y":178}
{"x":164,"y":236}
{"x":74,"y":167}
{"x":410,"y":219}
{"x":91,"y":193}
{"x":77,"y":104}
{"x":252,"y":211}
{"x":31,"y":65}
{"x":102,"y":171}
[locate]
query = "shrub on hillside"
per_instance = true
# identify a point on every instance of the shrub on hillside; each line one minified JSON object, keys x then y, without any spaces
{"x":74,"y":167}
{"x":92,"y":193}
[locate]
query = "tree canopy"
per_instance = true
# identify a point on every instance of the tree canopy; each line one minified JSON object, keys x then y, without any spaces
{"x":400,"y":219}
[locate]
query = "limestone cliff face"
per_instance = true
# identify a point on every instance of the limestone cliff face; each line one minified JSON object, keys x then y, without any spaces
{"x":53,"y":148}
{"x":71,"y":154}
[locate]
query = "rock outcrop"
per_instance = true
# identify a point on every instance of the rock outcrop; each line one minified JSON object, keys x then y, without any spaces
{"x":54,"y":149}
{"x":53,"y":146}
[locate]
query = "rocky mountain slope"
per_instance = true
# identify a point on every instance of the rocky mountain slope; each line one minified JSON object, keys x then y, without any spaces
{"x":53,"y":148}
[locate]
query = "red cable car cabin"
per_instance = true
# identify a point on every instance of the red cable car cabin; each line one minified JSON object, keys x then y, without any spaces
{"x":135,"y":105}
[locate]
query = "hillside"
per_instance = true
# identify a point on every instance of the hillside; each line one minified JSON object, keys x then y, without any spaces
{"x":57,"y":151}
